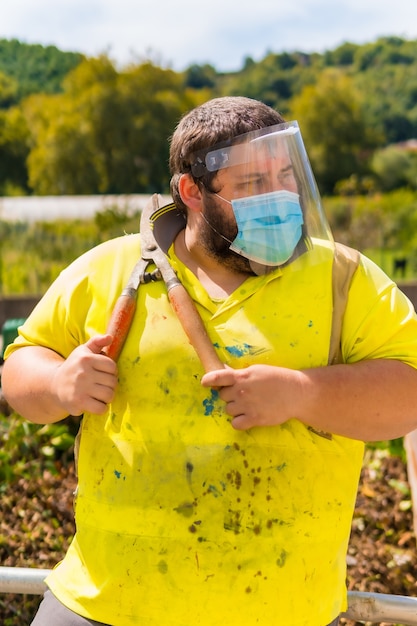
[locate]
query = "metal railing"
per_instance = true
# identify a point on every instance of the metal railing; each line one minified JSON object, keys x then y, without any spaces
{"x":381,"y":607}
{"x":363,"y":606}
{"x":23,"y":580}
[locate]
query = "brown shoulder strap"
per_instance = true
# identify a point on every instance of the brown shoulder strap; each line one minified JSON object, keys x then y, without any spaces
{"x":345,"y":263}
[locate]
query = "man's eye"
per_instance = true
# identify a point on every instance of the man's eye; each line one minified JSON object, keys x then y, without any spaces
{"x":286,"y":176}
{"x":256,"y":183}
{"x":249,"y":186}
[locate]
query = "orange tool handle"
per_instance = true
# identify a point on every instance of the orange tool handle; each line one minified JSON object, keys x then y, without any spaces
{"x":194,"y":328}
{"x":120,"y":322}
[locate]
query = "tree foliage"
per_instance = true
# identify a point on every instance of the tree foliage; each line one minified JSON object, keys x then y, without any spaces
{"x":14,"y":149}
{"x":377,"y":224}
{"x":87,"y":127}
{"x":107,"y":132}
{"x":35,"y":68}
{"x":8,"y":91}
{"x":334,"y":127}
{"x":395,"y":167}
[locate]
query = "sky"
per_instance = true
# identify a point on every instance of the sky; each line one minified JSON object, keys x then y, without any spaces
{"x":222,"y":33}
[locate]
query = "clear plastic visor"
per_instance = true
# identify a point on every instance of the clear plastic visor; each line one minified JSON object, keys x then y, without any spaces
{"x":263,"y":161}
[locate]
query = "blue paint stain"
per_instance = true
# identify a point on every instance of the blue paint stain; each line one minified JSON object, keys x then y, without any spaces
{"x":209,"y":403}
{"x":117,"y":474}
{"x":239,"y":351}
{"x":310,"y":324}
{"x":213,"y":490}
{"x":243,"y":350}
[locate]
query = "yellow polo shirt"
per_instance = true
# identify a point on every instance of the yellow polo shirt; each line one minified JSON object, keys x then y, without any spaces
{"x":181,"y":520}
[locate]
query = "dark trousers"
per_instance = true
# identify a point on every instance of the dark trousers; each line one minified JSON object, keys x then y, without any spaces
{"x":52,"y":613}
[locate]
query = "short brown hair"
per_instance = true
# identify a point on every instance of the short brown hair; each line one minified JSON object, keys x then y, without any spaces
{"x":213,"y":122}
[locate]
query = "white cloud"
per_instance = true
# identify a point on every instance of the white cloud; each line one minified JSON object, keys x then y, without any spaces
{"x":218,"y":32}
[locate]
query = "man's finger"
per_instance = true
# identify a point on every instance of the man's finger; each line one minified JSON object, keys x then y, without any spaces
{"x":98,"y":342}
{"x":219,"y":378}
{"x":240,"y":422}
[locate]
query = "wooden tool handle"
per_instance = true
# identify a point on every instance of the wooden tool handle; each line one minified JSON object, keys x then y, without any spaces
{"x":120,"y":322}
{"x":194,"y":328}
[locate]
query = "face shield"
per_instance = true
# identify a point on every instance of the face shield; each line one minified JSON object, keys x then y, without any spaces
{"x":266,"y":177}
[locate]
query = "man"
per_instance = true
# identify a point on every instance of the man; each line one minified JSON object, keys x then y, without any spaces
{"x":225,"y":496}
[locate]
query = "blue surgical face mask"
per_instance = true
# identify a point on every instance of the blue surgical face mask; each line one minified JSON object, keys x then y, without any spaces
{"x":269,"y":226}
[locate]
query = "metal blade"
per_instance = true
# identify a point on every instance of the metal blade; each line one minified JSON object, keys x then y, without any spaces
{"x":150,"y":249}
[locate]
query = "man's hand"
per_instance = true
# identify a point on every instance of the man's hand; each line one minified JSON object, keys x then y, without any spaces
{"x":371,"y":400}
{"x":259,"y":395}
{"x":87,"y":379}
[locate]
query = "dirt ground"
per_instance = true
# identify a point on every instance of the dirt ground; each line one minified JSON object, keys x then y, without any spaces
{"x":382,"y":554}
{"x":37,"y":525}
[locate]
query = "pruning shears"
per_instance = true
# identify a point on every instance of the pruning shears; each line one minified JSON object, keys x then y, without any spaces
{"x":184,"y":307}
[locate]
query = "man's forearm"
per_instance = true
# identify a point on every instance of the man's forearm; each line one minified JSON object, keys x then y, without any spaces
{"x":44,"y":387}
{"x":372,"y":400}
{"x":26,"y":384}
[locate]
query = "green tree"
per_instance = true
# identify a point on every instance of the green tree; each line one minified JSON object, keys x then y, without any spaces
{"x":385,"y":73}
{"x":8,"y":91}
{"x":93,"y":97}
{"x":61,"y":159}
{"x":200,"y":77}
{"x":395,"y":167}
{"x":108,"y":132}
{"x":334,"y":126}
{"x":275,"y":79}
{"x":154,"y":100}
{"x":36,"y":68}
{"x":344,"y":55}
{"x":14,"y":149}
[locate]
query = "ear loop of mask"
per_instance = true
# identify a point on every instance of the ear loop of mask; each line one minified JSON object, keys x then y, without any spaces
{"x":215,"y":230}
{"x":211,"y":225}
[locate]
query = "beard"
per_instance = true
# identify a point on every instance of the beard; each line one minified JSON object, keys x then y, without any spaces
{"x":217,"y":231}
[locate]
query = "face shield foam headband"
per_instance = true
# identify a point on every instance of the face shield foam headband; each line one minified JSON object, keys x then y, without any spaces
{"x":267,"y":178}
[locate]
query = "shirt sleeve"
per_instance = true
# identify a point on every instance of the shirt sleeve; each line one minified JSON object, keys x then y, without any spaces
{"x":78,"y":304}
{"x":380,"y":322}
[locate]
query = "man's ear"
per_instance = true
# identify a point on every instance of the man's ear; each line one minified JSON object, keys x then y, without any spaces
{"x":190,"y":192}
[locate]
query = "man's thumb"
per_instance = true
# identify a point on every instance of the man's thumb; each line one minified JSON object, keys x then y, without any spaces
{"x":98,"y":342}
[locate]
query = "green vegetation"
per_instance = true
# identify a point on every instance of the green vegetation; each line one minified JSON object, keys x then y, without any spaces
{"x":27,"y":447}
{"x":32,"y":69}
{"x":383,"y":226}
{"x":32,"y":255}
{"x":76,"y":125}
